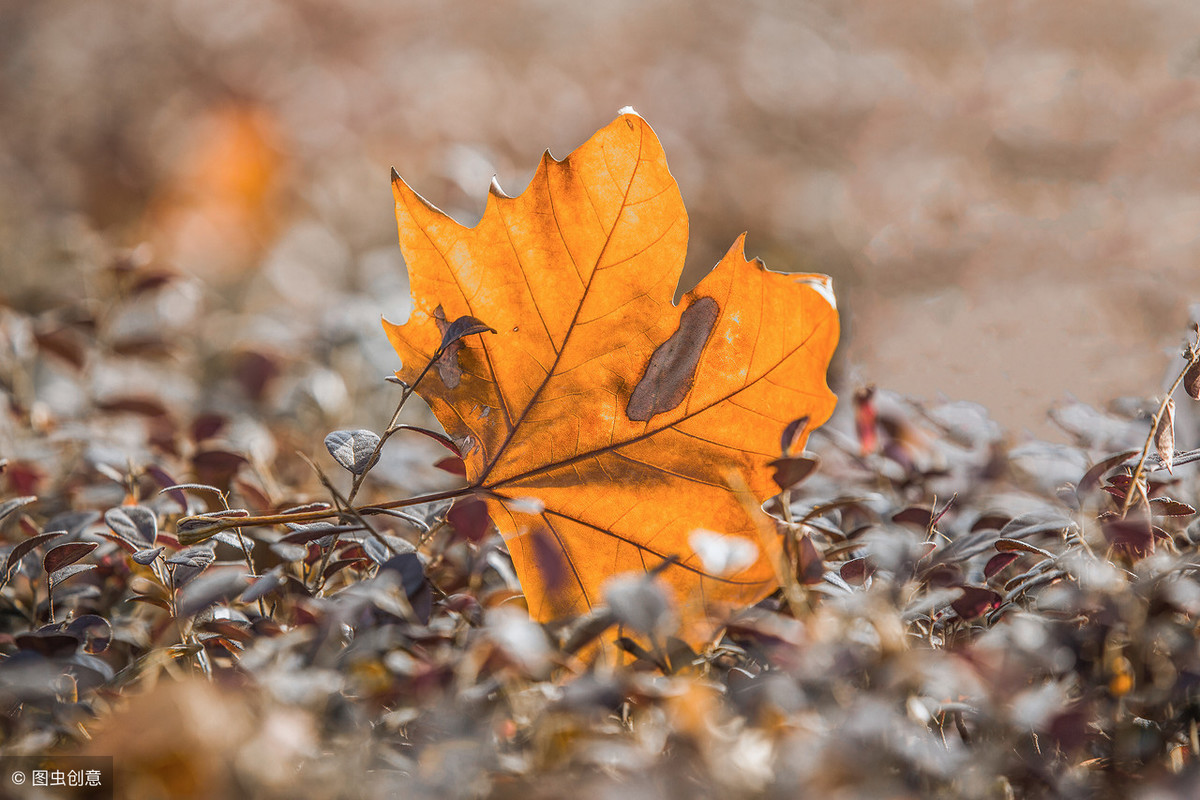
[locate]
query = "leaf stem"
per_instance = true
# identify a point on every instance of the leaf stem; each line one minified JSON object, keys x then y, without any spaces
{"x":223,"y":524}
{"x":1192,"y":354}
{"x":391,"y":429}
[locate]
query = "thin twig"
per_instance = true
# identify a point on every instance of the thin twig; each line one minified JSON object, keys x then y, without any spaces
{"x":1192,"y":354}
{"x":224,"y":524}
{"x":391,"y":429}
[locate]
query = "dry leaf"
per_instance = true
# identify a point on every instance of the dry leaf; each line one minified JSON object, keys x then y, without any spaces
{"x":621,"y":414}
{"x":1191,"y":380}
{"x":1164,"y":435}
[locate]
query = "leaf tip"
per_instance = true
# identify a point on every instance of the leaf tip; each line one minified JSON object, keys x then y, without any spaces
{"x":395,"y":175}
{"x":628,"y":111}
{"x":495,"y":190}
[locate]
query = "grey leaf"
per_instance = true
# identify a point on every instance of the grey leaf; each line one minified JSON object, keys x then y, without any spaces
{"x":135,"y":523}
{"x":352,"y":449}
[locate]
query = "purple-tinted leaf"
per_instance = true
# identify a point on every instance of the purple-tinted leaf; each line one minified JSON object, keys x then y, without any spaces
{"x":1191,"y":381}
{"x":441,"y":438}
{"x":810,"y":569}
{"x":408,"y":566}
{"x":24,"y":547}
{"x":58,"y":576}
{"x":412,"y":578}
{"x":1014,"y":545}
{"x":1135,"y":537}
{"x":791,"y":434}
{"x":998,"y":562}
{"x":206,"y":426}
{"x":303,"y":534}
{"x":189,"y":563}
{"x":791,"y":471}
{"x":856,"y":571}
{"x":12,"y":504}
{"x":217,"y":467}
{"x":334,"y":567}
{"x":460,"y":328}
{"x":1091,"y":478}
{"x":138,"y":524}
{"x":452,"y":464}
{"x":916,"y":516}
{"x":146,"y":557}
{"x":990,"y":522}
{"x":215,"y":586}
{"x":124,"y":543}
{"x":1167,"y":507}
{"x":975,"y":601}
{"x":942,"y":575}
{"x":65,"y":554}
{"x":469,"y":518}
{"x":263,"y":585}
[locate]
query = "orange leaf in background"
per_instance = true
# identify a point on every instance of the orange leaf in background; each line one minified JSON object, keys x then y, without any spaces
{"x":602,"y":423}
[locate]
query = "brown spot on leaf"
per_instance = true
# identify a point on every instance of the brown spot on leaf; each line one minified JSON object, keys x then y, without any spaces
{"x":447,"y":363}
{"x":671,"y":370}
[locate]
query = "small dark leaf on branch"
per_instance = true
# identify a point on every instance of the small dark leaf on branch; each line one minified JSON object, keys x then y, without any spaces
{"x":1134,"y":537}
{"x":462,"y":327}
{"x":9,"y":506}
{"x":1191,"y":381}
{"x":452,"y":464}
{"x":352,"y":449}
{"x":189,"y":563}
{"x":217,"y":585}
{"x":791,"y":471}
{"x":998,"y":562}
{"x":810,"y":569}
{"x":60,"y":575}
{"x":135,"y":523}
{"x":65,"y":554}
{"x":1170,"y":508}
{"x":856,"y":571}
{"x":25,"y":547}
{"x":1091,"y":478}
{"x":916,"y":516}
{"x":469,"y":518}
{"x":441,"y":438}
{"x":146,"y":557}
{"x":791,"y":434}
{"x":975,"y":601}
{"x":124,"y":543}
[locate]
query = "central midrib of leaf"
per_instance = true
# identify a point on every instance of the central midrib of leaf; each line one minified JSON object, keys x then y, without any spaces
{"x":550,"y":373}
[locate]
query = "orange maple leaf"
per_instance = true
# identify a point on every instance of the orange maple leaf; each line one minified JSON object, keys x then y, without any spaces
{"x":602,"y":423}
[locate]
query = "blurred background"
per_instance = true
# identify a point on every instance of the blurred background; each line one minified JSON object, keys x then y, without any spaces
{"x":1005,"y":193}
